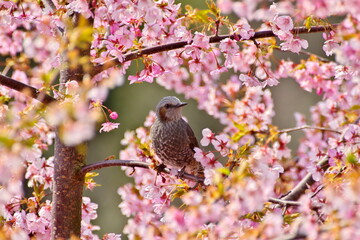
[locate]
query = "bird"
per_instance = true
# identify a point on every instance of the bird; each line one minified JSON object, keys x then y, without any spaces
{"x":172,"y":138}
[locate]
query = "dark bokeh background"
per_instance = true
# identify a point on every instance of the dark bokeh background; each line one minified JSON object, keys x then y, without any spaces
{"x":133,"y":103}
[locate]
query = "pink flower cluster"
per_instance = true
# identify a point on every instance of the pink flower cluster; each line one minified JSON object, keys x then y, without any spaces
{"x":36,"y":220}
{"x":282,"y":26}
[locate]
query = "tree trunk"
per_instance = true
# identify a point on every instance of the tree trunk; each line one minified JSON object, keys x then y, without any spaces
{"x":68,"y":180}
{"x":68,"y":190}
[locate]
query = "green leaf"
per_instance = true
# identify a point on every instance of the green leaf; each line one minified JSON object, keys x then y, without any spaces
{"x":255,"y":217}
{"x":308,"y":22}
{"x":355,"y":107}
{"x":290,"y":217}
{"x":352,"y":159}
{"x":91,"y":175}
{"x":178,"y":194}
{"x":240,"y":126}
{"x":242,"y":131}
{"x":5,"y":141}
{"x":224,"y":171}
{"x":202,"y":15}
{"x":244,"y":149}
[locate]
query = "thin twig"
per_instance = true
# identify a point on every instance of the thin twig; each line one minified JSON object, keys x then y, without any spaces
{"x":111,"y":163}
{"x":320,"y":188}
{"x":308,"y":127}
{"x":284,"y":203}
{"x":133,"y":164}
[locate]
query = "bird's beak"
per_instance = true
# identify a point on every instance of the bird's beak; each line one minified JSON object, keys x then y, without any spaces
{"x":181,"y":104}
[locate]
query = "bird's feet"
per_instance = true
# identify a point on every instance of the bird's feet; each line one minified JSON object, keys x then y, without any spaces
{"x":159,"y":169}
{"x":181,"y":173}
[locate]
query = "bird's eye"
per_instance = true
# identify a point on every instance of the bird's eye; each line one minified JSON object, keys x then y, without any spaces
{"x":167,"y":105}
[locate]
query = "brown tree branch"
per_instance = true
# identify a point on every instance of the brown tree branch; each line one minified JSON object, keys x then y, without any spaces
{"x":49,"y":5}
{"x":305,"y":183}
{"x":308,"y":180}
{"x":284,"y":203}
{"x":133,"y":164}
{"x":26,"y":89}
{"x":67,"y":190}
{"x":215,"y":39}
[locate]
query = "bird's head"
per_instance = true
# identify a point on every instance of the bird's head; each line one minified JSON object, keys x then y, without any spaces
{"x":169,"y":109}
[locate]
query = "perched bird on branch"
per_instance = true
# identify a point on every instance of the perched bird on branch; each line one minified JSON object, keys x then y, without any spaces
{"x":173,"y":140}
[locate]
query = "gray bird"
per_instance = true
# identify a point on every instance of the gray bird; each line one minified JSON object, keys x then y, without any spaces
{"x":172,"y":138}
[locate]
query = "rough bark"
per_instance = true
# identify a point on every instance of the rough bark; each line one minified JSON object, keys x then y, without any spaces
{"x":305,"y":183}
{"x":26,"y":89}
{"x":67,"y":190}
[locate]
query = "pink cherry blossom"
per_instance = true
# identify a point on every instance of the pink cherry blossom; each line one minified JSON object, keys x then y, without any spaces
{"x":200,"y":40}
{"x":284,"y":23}
{"x":72,"y":87}
{"x":329,"y":47}
{"x":145,"y":76}
{"x":195,"y":65}
{"x":90,"y":185}
{"x":192,"y":198}
{"x":208,"y":136}
{"x":75,"y":132}
{"x":229,"y":46}
{"x":294,"y":45}
{"x":109,"y":126}
{"x":209,"y":176}
{"x":218,"y":70}
{"x":249,"y":81}
{"x":225,"y":6}
{"x":352,"y":133}
{"x":221,"y":144}
{"x":81,"y":6}
{"x":175,"y":219}
{"x":244,"y":29}
{"x":280,"y":146}
{"x":206,"y":159}
{"x":88,"y":209}
{"x":271,"y":82}
{"x":343,"y":72}
{"x":111,"y":236}
{"x":150,"y":119}
{"x":315,"y":171}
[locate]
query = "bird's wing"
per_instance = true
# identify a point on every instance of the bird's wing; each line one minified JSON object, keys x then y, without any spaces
{"x":191,"y":136}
